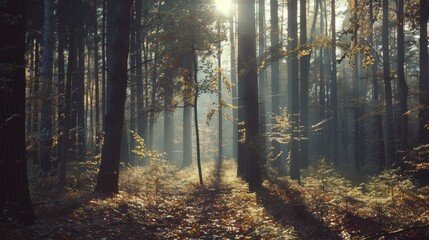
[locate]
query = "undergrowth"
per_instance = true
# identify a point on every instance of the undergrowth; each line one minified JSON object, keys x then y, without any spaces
{"x":385,"y":202}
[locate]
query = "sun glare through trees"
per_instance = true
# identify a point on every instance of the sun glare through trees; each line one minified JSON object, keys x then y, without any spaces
{"x":214,"y":119}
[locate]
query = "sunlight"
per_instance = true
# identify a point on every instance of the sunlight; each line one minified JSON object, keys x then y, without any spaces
{"x":223,"y":6}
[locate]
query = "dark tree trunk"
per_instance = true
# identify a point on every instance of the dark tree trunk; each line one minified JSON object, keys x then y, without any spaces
{"x":390,"y":135}
{"x":15,"y":202}
{"x":403,"y":87}
{"x":249,"y":82}
{"x":96,"y":79}
{"x":141,"y":114}
{"x":424,"y":74}
{"x":62,"y":141}
{"x":47,"y":72}
{"x":117,"y":42}
{"x":36,"y":105}
{"x":378,"y":118}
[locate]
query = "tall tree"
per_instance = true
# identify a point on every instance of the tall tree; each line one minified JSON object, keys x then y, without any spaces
{"x":378,"y":118}
{"x":390,"y":141}
{"x":293,"y":31}
{"x":118,"y":22}
{"x":47,"y":72}
{"x":403,"y":87}
{"x":424,"y":73}
{"x":15,"y":202}
{"x":275,"y":69}
{"x":304,"y":87}
{"x":334,"y":88}
{"x":233,"y":79}
{"x":249,"y":82}
{"x":62,"y":141}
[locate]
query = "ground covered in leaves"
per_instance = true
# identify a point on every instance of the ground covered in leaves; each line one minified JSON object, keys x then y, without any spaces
{"x":156,"y":202}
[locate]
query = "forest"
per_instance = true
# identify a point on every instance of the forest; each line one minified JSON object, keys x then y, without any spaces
{"x":214,"y":119}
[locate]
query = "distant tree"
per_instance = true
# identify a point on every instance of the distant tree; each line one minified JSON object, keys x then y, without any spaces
{"x":15,"y":202}
{"x":118,"y":30}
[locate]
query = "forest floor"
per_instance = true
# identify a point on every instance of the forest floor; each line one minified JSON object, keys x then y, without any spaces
{"x":175,"y":206}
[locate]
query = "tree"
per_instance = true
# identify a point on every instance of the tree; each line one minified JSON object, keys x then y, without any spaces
{"x":378,"y":118}
{"x":47,"y":64}
{"x":118,"y":22}
{"x":248,"y":82}
{"x":275,"y":85}
{"x":403,"y":87}
{"x":304,"y":90}
{"x":293,"y":31}
{"x":15,"y":202}
{"x":424,"y":73}
{"x":390,"y":141}
{"x":334,"y":88}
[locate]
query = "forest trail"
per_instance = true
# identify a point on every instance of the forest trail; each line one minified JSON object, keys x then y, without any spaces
{"x":181,"y":210}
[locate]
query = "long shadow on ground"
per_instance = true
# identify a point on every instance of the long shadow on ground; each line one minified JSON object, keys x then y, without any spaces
{"x":287,"y":207}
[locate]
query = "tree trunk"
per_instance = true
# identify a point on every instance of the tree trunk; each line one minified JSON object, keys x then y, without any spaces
{"x":117,"y":42}
{"x":262,"y":81}
{"x":293,"y":30}
{"x":378,"y":118}
{"x":334,"y":89}
{"x":15,"y":202}
{"x":403,"y":88}
{"x":47,"y":72}
{"x":304,"y":91}
{"x":424,"y":74}
{"x":249,"y":82}
{"x":234,"y":82}
{"x":390,"y":135}
{"x":275,"y":85}
{"x":62,"y":141}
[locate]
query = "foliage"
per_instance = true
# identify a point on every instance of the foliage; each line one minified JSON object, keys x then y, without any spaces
{"x":152,"y":176}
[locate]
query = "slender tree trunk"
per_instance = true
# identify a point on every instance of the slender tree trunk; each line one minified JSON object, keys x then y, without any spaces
{"x":293,"y":30}
{"x":197,"y":132}
{"x":15,"y":202}
{"x":62,"y":141}
{"x":97,"y":80}
{"x":234,"y":82}
{"x":334,"y":89}
{"x":118,"y":42}
{"x":36,"y":104}
{"x":220,"y":116}
{"x":390,"y":135}
{"x":304,"y":88}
